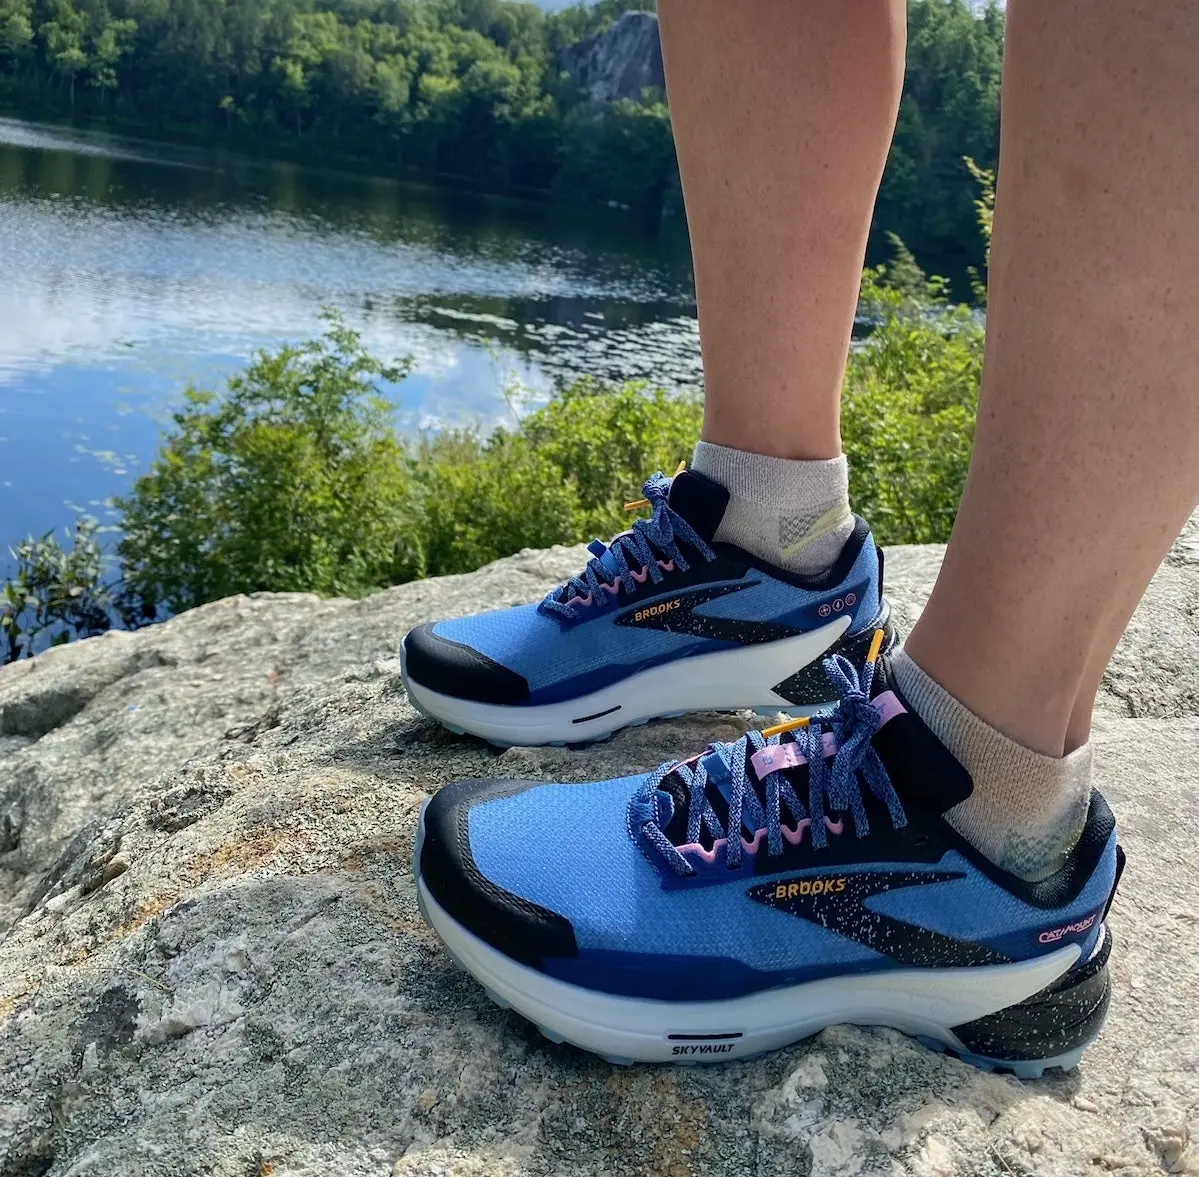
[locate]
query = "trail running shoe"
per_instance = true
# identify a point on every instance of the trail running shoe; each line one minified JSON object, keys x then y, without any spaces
{"x":765,"y":889}
{"x":662,"y":621}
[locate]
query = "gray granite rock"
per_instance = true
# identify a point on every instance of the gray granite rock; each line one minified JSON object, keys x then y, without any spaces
{"x":620,"y":62}
{"x":213,"y":962}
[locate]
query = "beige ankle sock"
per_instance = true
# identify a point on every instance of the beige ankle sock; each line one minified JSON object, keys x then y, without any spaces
{"x":791,"y":513}
{"x":1027,"y":811}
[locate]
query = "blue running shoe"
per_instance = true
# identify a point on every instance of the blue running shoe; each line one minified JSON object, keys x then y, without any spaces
{"x":765,"y":889}
{"x":662,"y":621}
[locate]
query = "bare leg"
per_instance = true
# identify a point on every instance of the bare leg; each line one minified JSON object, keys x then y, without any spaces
{"x":783,"y":117}
{"x":1086,"y":461}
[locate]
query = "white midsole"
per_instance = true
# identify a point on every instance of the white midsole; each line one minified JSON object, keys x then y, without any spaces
{"x":916,"y":1001}
{"x":728,"y":680}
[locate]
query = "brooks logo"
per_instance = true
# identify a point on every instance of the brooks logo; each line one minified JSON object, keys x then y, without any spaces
{"x":657,"y":610}
{"x":809,"y":887}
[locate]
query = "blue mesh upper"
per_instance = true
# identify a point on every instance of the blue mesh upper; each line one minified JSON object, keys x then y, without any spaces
{"x":569,"y":848}
{"x":562,"y":659}
{"x":546,"y":653}
{"x":577,"y":857}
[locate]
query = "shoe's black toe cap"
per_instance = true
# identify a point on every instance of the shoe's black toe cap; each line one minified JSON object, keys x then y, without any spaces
{"x":516,"y":927}
{"x":450,"y":668}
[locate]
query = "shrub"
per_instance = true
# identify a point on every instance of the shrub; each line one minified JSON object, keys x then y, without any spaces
{"x":563,"y":475}
{"x":481,"y":499}
{"x":909,"y":407}
{"x":57,"y":594}
{"x":608,"y":440}
{"x":293,"y":480}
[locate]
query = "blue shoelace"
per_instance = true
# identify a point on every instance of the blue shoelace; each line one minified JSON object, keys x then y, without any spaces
{"x":835,"y":788}
{"x":643,"y":545}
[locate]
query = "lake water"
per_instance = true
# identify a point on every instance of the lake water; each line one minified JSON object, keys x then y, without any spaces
{"x":128,"y":268}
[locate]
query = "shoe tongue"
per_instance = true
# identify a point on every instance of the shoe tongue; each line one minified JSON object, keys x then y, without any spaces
{"x":700,"y":501}
{"x":922,"y":770}
{"x":606,"y":556}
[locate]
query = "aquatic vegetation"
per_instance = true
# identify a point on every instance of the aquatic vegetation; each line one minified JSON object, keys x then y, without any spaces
{"x":58,"y":593}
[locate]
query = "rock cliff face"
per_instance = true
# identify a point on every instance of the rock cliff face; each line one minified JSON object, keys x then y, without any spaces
{"x":620,"y":62}
{"x":211,"y":960}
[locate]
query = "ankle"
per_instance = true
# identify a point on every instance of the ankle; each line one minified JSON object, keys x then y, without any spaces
{"x":1034,"y":709}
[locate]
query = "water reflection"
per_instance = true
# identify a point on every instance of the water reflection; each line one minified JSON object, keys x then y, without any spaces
{"x":128,"y":268}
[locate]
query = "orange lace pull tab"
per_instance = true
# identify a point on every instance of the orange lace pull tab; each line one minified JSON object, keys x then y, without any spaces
{"x":792,"y":725}
{"x":875,"y":647}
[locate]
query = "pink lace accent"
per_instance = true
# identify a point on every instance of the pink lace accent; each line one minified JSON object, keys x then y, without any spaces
{"x":614,"y":587}
{"x":794,"y":836}
{"x":780,"y":756}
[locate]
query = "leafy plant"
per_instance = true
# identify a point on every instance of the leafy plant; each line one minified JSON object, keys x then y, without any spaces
{"x":562,"y":475}
{"x":56,"y":595}
{"x":909,"y":406}
{"x":294,"y":479}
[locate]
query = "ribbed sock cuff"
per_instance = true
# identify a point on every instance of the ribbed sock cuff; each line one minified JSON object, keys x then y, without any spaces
{"x":762,"y":478}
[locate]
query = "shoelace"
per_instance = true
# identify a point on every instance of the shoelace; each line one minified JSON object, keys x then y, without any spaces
{"x":835,"y":788}
{"x":644,"y":545}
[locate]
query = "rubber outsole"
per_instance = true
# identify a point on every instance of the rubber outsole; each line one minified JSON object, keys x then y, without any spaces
{"x":1028,"y":1069}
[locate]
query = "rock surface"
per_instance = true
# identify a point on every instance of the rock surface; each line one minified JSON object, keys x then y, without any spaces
{"x":620,"y":62}
{"x":211,"y":960}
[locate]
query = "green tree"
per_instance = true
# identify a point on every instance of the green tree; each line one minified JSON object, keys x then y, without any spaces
{"x":108,"y":47}
{"x":950,"y":108}
{"x":348,"y":74}
{"x":16,"y":33}
{"x":984,"y":208}
{"x":438,"y":101}
{"x":622,"y":154}
{"x":65,"y":36}
{"x":391,"y":93}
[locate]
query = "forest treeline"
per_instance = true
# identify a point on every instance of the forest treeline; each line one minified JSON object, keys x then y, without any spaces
{"x":469,"y":91}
